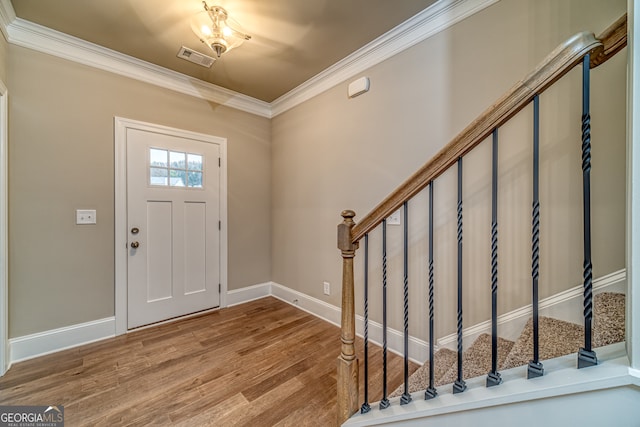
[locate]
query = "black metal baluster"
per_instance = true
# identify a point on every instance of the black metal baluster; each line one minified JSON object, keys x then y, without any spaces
{"x":535,"y":368}
{"x":459,"y":385}
{"x":406,"y":397}
{"x":586,"y":356}
{"x":431,"y":392}
{"x":365,"y":406}
{"x":384,"y":403}
{"x":493,"y":378}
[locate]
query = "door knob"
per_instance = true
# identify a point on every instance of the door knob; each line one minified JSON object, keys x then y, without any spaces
{"x":134,"y":245}
{"x":135,"y":230}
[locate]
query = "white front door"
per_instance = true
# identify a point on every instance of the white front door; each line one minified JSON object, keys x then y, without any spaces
{"x":173,"y":225}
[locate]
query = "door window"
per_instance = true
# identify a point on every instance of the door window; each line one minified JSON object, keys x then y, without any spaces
{"x":175,"y":169}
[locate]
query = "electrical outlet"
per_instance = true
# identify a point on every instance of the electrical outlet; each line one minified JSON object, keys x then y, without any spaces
{"x":327,"y":288}
{"x":394,"y":218}
{"x":85,"y":216}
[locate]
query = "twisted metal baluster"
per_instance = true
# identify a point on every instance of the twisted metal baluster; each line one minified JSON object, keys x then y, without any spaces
{"x":384,"y":403}
{"x":431,"y":392}
{"x":365,"y":406}
{"x":586,"y":356}
{"x":535,"y":368}
{"x":493,"y":378}
{"x":406,"y":397}
{"x":459,"y":385}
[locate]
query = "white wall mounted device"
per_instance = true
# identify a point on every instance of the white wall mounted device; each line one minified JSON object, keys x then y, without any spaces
{"x":358,"y":87}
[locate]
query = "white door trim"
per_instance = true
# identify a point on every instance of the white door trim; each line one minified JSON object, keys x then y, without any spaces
{"x":120,"y":140}
{"x":4,"y":253}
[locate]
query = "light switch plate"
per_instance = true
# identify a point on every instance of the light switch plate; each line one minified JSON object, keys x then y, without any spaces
{"x":85,"y":216}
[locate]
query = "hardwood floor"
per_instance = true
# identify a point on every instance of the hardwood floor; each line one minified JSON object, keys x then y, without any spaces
{"x":263,"y":363}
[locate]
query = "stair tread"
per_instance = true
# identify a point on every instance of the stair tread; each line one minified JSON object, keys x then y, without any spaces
{"x":557,"y":338}
{"x":476,"y":360}
{"x":419,"y":380}
{"x":608,"y":318}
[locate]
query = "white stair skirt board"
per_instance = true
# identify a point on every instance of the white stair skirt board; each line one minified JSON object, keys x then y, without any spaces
{"x":596,"y":396}
{"x":39,"y":344}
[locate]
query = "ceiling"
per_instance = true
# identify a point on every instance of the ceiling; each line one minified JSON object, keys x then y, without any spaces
{"x":292,"y":40}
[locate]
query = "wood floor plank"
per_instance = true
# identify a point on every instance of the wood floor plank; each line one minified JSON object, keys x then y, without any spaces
{"x":261,"y":363}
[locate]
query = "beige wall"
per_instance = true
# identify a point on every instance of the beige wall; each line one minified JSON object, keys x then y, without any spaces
{"x":4,"y":54}
{"x":62,"y":159}
{"x":332,"y":153}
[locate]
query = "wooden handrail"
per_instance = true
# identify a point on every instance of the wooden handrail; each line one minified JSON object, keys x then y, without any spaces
{"x":564,"y":58}
{"x":613,"y":40}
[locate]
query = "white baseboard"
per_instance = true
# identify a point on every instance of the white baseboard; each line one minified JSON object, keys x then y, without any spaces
{"x":249,"y":293}
{"x":418,"y":349}
{"x":42,"y":343}
{"x":304,"y":302}
{"x":30,"y":346}
{"x":565,"y":306}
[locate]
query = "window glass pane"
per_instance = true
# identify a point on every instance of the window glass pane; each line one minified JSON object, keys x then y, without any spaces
{"x":158,"y":157}
{"x":195,"y":179}
{"x":195,"y":162}
{"x":158,"y":176}
{"x":178,"y":178}
{"x":175,"y":169}
{"x":177,"y":160}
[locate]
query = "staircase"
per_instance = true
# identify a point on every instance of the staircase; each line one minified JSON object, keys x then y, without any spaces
{"x":557,"y":338}
{"x":495,"y":380}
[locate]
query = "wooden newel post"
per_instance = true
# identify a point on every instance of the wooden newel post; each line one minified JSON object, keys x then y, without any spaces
{"x":347,"y":361}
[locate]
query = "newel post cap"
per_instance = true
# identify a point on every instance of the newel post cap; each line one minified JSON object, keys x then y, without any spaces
{"x":344,"y":232}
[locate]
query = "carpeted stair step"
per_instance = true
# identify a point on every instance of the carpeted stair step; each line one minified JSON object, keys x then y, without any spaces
{"x":557,"y":338}
{"x":419,"y":380}
{"x":608,"y":318}
{"x":476,"y":360}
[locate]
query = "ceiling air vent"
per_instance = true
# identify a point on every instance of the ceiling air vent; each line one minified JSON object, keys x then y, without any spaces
{"x":195,"y":57}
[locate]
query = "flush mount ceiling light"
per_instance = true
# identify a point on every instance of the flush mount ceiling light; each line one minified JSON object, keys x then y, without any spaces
{"x":215,"y":29}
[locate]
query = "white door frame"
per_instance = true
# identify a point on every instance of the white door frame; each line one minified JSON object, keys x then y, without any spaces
{"x":4,"y":253}
{"x":633,"y":186}
{"x":121,"y":235}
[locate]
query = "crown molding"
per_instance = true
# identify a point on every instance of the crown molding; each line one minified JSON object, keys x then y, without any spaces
{"x":432,"y":20}
{"x":33,"y":36}
{"x":438,"y":17}
{"x":7,"y":15}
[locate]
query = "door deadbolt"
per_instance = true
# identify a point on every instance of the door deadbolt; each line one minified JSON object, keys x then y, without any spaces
{"x":135,"y":230}
{"x":135,"y":245}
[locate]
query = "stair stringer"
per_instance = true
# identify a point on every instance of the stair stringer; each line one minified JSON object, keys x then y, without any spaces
{"x":594,"y":396}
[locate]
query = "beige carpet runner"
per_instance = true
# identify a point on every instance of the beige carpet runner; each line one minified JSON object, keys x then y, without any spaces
{"x":557,"y":338}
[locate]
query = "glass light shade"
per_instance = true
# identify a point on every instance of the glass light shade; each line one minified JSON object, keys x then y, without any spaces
{"x":215,"y":29}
